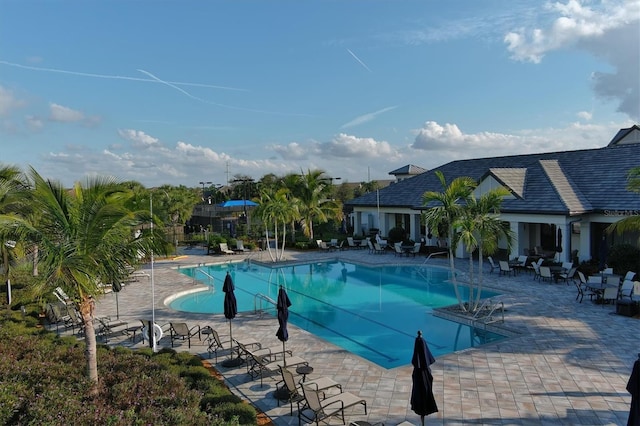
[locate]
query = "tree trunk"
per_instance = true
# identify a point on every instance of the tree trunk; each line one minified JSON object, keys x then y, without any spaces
{"x":91,"y":354}
{"x":35,"y":260}
{"x":453,"y":270}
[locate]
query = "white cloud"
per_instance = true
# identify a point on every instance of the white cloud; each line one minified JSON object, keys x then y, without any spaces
{"x":448,"y":142}
{"x":64,"y":114}
{"x":35,"y":124}
{"x":585,"y":115}
{"x":139,"y":138}
{"x":606,"y":29}
{"x":8,"y":101}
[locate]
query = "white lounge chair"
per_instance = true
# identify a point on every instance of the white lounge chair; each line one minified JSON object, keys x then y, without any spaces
{"x":224,"y":249}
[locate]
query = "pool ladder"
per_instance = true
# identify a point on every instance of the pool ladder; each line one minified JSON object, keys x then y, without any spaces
{"x":211,"y":279}
{"x":487,"y":317}
{"x":258,"y":299}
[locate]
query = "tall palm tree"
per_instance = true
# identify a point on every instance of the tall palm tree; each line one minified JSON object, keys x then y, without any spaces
{"x":13,"y":199}
{"x":86,"y":237}
{"x":277,"y":209}
{"x":313,"y":192}
{"x":446,"y":210}
{"x":481,"y":229}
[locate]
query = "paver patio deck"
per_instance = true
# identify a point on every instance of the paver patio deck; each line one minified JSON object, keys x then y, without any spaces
{"x":568,"y":365}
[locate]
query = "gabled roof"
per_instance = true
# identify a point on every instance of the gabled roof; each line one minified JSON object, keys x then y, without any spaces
{"x":624,"y":133}
{"x":512,"y":178}
{"x":409,"y":169}
{"x":566,"y":182}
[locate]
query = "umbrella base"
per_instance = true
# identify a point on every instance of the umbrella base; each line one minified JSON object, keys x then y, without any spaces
{"x":232,"y":362}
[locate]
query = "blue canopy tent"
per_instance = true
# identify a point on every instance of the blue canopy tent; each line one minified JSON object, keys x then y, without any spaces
{"x":238,"y":203}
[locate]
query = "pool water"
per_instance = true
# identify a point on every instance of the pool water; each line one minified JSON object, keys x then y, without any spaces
{"x":373,"y":312}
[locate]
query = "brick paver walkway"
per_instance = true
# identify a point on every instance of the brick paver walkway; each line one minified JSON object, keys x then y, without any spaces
{"x":568,"y":364}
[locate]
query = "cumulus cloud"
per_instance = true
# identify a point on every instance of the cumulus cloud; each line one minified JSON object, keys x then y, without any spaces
{"x":446,"y":142}
{"x":139,"y":138}
{"x":607,"y":29}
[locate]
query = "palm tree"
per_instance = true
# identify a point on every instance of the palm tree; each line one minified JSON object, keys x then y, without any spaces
{"x":277,"y":208}
{"x":86,"y":237}
{"x":446,"y":211}
{"x":481,"y":219}
{"x":13,"y":199}
{"x":629,"y":223}
{"x":313,"y":193}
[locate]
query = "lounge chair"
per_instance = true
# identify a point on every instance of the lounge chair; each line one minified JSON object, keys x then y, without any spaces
{"x":416,"y":249}
{"x":322,"y":245}
{"x":397,"y":250}
{"x":293,"y":391}
{"x":254,"y":349}
{"x":377,"y":248}
{"x":323,"y":409}
{"x":224,"y":249}
{"x":62,"y":314}
{"x":261,"y":365}
{"x":108,"y":327}
{"x":351,"y":244}
{"x":181,"y":331}
{"x":214,"y":343}
{"x":629,"y":276}
{"x":240,"y":246}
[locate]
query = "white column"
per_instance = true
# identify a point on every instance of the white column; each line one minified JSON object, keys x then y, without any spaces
{"x":515,"y":244}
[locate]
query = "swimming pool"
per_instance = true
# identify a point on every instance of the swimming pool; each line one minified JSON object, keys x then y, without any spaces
{"x":373,"y":312}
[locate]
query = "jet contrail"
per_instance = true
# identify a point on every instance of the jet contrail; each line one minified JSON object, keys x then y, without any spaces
{"x":114,"y":77}
{"x":367,"y":117}
{"x":359,"y":61}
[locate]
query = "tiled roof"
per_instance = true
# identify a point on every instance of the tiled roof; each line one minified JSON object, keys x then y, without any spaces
{"x":511,"y":177}
{"x":566,"y":182}
{"x":409,"y":169}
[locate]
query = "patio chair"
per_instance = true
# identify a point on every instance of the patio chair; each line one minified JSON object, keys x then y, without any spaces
{"x":583,"y":289}
{"x":293,"y":391}
{"x":351,"y":244}
{"x":322,"y":245}
{"x":224,"y":249}
{"x":377,"y":248}
{"x":397,"y":250}
{"x":545,"y":273}
{"x":262,"y":365}
{"x":626,"y":290}
{"x":610,"y":294}
{"x":492,"y":264}
{"x":323,"y":409}
{"x":629,"y":276}
{"x":505,"y":269}
{"x":569,"y":275}
{"x":214,"y":343}
{"x":240,"y":246}
{"x":416,"y":249}
{"x":181,"y":331}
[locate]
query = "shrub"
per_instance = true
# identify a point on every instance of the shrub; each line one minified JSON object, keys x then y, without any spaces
{"x":397,"y":235}
{"x":623,"y":258}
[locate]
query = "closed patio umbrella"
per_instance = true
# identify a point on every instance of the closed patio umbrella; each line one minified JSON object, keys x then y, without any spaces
{"x":422,"y":401}
{"x":230,"y":312}
{"x":282,"y":305}
{"x":633,"y":387}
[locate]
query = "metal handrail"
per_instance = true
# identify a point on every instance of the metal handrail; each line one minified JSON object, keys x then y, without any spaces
{"x":259,"y":297}
{"x":489,"y":317}
{"x":434,"y":254}
{"x":211,"y":278}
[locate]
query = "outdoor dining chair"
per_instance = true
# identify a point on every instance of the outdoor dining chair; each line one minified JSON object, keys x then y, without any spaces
{"x":323,"y":409}
{"x":181,"y":331}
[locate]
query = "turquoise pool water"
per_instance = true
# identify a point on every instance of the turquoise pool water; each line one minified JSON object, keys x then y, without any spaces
{"x":372,"y":312}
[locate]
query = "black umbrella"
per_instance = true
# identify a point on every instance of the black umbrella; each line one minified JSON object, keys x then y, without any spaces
{"x":230,"y":310}
{"x":283,"y":316}
{"x":633,"y":386}
{"x":559,"y":246}
{"x":422,"y":401}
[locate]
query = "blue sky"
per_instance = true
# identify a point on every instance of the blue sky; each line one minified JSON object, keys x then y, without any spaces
{"x":168,"y":92}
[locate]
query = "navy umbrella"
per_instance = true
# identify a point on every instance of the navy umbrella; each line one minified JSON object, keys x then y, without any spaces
{"x":283,"y":316}
{"x":422,"y":401}
{"x":633,"y":386}
{"x":230,"y":305}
